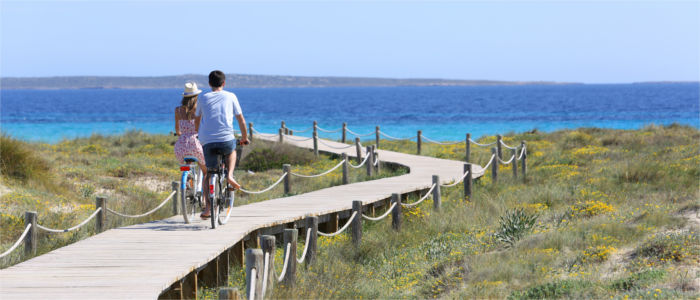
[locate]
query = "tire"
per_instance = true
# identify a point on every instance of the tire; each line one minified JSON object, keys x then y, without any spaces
{"x":213,"y":209}
{"x":224,"y":201}
{"x":183,"y":198}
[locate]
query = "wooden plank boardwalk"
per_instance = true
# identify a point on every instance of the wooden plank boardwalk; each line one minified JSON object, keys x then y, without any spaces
{"x":142,"y":261}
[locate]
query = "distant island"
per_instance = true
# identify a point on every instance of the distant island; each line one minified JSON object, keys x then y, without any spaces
{"x":236,"y":80}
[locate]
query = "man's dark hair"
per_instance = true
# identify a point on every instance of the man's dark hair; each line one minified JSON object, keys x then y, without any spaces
{"x":216,"y":78}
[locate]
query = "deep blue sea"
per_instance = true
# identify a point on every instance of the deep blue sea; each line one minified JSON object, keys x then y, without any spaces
{"x":443,"y":113}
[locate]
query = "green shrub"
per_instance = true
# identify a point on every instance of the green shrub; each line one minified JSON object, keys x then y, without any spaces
{"x":557,"y":289}
{"x":515,"y":225}
{"x":19,"y":161}
{"x":265,"y":156}
{"x":675,"y":246}
{"x":638,"y":280}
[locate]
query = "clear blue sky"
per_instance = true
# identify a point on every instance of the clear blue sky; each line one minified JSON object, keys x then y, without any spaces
{"x":597,"y":41}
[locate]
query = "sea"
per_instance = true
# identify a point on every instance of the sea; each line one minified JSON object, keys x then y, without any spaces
{"x":444,"y":113}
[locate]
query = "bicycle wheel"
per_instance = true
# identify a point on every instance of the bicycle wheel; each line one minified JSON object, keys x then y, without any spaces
{"x":225,"y":203}
{"x":184,"y":203}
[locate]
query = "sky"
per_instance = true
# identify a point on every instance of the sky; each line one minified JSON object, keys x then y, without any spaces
{"x":591,"y":42}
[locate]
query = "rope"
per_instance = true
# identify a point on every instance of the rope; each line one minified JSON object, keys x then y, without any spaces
{"x":388,"y":211}
{"x":395,"y":138}
{"x":522,"y":151}
{"x":456,"y":182}
{"x":293,"y":138}
{"x":319,"y":175}
{"x":328,"y":131}
{"x":266,"y":272}
{"x":253,"y":274}
{"x":376,"y":162}
{"x":490,"y":161}
{"x":360,"y":165}
{"x":354,"y":213}
{"x":146,"y":213}
{"x":507,"y":162}
{"x":264,"y":134}
{"x":286,"y":261}
{"x":509,"y":147}
{"x":440,"y":143}
{"x":357,"y":134}
{"x":301,"y":131}
{"x":267,"y":189}
{"x":306,"y":246}
{"x":335,"y":147}
{"x":72,"y":228}
{"x":421,"y":199}
{"x":482,"y":145}
{"x":21,"y":238}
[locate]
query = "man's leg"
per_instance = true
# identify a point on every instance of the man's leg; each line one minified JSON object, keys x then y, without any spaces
{"x":230,"y":165}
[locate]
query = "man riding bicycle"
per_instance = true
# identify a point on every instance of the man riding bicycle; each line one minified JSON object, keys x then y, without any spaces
{"x":217,"y":110}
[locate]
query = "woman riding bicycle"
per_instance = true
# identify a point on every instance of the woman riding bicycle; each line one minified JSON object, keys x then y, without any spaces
{"x":217,"y":110}
{"x":186,"y":127}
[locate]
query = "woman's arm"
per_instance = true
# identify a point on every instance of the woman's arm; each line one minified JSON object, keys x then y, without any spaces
{"x":197,"y":119}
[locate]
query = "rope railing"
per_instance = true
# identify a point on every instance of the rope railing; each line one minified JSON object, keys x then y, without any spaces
{"x":354,"y":213}
{"x":334,"y":147}
{"x":306,"y":246}
{"x":328,"y":131}
{"x":146,"y":213}
{"x":481,"y":145}
{"x":266,"y":271}
{"x":301,"y":131}
{"x":507,"y":162}
{"x":522,"y":152}
{"x":72,"y":228}
{"x":253,"y":274}
{"x":397,"y":139}
{"x":376,"y":162}
{"x":388,"y":211}
{"x":285,"y":263}
{"x":361,"y":164}
{"x":509,"y":147}
{"x":319,"y":175}
{"x":430,"y":191}
{"x":357,"y":134}
{"x":266,"y":189}
{"x":456,"y":182}
{"x":440,"y":143}
{"x":490,"y":161}
{"x":263,"y":134}
{"x":19,"y":240}
{"x":297,"y":139}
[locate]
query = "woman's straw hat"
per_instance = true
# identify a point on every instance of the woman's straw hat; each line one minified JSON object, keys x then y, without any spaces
{"x":191,"y":89}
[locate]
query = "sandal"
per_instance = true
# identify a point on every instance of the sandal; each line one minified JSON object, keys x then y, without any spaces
{"x":204,"y":217}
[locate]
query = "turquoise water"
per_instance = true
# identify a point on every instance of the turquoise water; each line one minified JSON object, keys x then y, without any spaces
{"x":443,"y":113}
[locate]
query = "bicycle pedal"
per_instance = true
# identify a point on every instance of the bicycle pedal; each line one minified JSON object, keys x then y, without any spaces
{"x":231,"y":189}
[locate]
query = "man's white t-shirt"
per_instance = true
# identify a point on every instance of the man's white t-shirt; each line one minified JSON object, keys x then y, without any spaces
{"x":217,"y":110}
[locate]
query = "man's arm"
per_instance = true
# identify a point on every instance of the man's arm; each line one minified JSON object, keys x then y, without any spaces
{"x":244,"y":129}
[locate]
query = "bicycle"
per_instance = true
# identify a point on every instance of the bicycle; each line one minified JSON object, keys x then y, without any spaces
{"x":221,"y":195}
{"x":191,"y":188}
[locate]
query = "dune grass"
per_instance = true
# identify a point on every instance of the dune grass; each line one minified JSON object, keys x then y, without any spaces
{"x":615,"y":216}
{"x":134,"y":171}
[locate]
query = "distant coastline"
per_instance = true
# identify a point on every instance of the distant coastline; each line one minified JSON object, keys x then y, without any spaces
{"x":237,"y":80}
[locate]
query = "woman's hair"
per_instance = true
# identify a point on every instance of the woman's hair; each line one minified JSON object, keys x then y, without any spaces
{"x":190,"y":105}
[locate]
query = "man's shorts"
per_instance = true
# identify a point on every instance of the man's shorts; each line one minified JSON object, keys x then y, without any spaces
{"x":212,"y":151}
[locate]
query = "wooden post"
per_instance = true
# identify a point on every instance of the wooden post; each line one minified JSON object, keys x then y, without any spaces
{"x":315,"y":136}
{"x":375,"y":159}
{"x":281,"y":134}
{"x":437,"y":198}
{"x":176,"y":198}
{"x":345,"y":168}
{"x":419,"y":141}
{"x":345,"y":133}
{"x":468,"y":147}
{"x":494,"y":165}
{"x":312,"y":222}
{"x":468,"y":182}
{"x":499,"y":146}
{"x":286,"y":168}
{"x":283,"y":126}
{"x":229,"y":293}
{"x":250,"y":131}
{"x":358,"y":149}
{"x":254,"y":260}
{"x":376,"y":133}
{"x":101,"y":216}
{"x":291,"y":132}
{"x":315,"y":128}
{"x":290,"y":237}
{"x":524,"y":160}
{"x":267,"y":243}
{"x":30,"y":242}
{"x":396,"y":212}
{"x":357,"y":223}
{"x":515,"y":162}
{"x":370,"y":160}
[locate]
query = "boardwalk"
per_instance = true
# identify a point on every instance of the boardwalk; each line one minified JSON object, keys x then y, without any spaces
{"x":142,"y":261}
